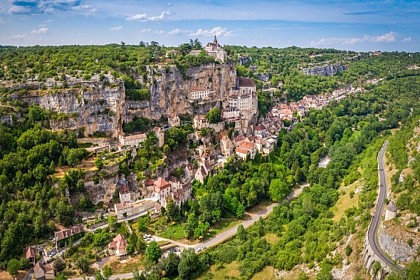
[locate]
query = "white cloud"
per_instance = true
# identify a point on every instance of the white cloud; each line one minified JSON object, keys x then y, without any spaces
{"x":406,"y":39}
{"x":19,"y":36}
{"x":218,"y":31}
{"x":42,"y":30}
{"x":43,"y":6}
{"x":350,"y":41}
{"x":19,"y":10}
{"x":388,"y":37}
{"x":138,"y":17}
{"x":177,"y":31}
{"x":144,"y":17}
{"x":229,"y":34}
{"x":159,"y":32}
{"x":162,"y":16}
{"x":145,"y":30}
{"x":116,"y":28}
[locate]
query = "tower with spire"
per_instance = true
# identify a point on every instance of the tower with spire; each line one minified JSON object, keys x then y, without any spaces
{"x":215,"y":50}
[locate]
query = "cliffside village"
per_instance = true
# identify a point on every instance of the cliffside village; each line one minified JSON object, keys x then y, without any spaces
{"x":252,"y":135}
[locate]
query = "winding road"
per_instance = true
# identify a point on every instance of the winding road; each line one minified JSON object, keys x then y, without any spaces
{"x":374,"y":225}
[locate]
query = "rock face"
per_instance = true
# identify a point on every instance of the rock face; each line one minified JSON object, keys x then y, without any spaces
{"x":96,"y":106}
{"x":169,"y":90}
{"x":105,"y":188}
{"x":394,"y":241}
{"x":92,"y":106}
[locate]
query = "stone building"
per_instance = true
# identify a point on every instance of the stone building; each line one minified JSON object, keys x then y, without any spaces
{"x":215,"y":50}
{"x":391,"y":211}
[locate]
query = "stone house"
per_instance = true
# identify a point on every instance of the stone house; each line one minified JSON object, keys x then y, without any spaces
{"x":118,"y":246}
{"x":44,"y":271}
{"x":226,"y":146}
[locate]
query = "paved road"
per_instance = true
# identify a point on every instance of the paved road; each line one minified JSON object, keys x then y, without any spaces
{"x":223,"y":236}
{"x":374,"y":225}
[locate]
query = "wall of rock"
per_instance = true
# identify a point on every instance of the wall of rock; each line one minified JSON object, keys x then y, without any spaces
{"x":169,"y":90}
{"x":395,"y":243}
{"x":105,"y":188}
{"x":93,"y":106}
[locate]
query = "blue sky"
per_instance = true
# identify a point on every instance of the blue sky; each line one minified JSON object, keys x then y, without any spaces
{"x":350,"y":25}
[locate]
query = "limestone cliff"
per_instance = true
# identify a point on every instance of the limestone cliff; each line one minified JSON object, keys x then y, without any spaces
{"x":169,"y":90}
{"x":101,"y":106}
{"x":93,"y":106}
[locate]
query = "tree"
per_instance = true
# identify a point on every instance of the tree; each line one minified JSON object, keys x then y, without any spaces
{"x":75,"y":155}
{"x":98,"y":275}
{"x":107,"y":272}
{"x":213,"y":115}
{"x":278,"y":190}
{"x":191,"y":225}
{"x":170,"y":264}
{"x":143,"y":223}
{"x":112,"y":221}
{"x":172,"y":211}
{"x":83,"y":265}
{"x":241,"y":233}
{"x":59,"y":265}
{"x":413,"y":271}
{"x":376,"y":267}
{"x":153,"y":252}
{"x":13,"y":266}
{"x":188,"y":265}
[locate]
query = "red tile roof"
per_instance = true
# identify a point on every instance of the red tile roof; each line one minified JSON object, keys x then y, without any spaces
{"x":242,"y":151}
{"x":161,"y":184}
{"x":246,"y":145}
{"x":118,"y":242}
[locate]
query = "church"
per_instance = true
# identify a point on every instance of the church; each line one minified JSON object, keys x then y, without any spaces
{"x":215,"y":50}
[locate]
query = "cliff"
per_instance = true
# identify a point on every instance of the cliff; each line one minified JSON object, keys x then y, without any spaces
{"x":101,"y":106}
{"x":90,"y":106}
{"x":169,"y":90}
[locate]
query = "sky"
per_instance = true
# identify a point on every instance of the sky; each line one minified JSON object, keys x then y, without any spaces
{"x":359,"y":25}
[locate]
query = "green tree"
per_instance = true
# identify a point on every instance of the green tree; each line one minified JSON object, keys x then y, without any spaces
{"x":13,"y":266}
{"x":214,"y":115}
{"x":189,"y":264}
{"x":59,"y":264}
{"x":83,"y":264}
{"x":153,"y":252}
{"x":170,"y":264}
{"x":143,"y":223}
{"x":241,"y":233}
{"x":112,"y":221}
{"x":413,"y":271}
{"x":191,"y":225}
{"x":278,"y":190}
{"x":172,"y":211}
{"x":107,"y":272}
